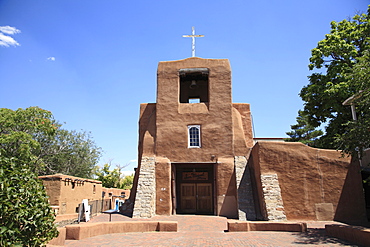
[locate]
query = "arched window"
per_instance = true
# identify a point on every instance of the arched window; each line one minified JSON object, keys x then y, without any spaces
{"x":194,"y":136}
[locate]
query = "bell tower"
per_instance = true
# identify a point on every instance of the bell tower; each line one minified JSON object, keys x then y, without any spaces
{"x":194,"y":85}
{"x":188,"y":141}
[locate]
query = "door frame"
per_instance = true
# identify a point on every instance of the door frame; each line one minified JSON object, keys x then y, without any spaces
{"x":176,"y":178}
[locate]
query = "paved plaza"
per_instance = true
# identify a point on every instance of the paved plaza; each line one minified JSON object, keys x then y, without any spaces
{"x":207,"y":231}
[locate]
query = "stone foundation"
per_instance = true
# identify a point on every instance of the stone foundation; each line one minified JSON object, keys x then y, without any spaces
{"x":272,"y":197}
{"x":246,"y":208}
{"x":144,"y":206}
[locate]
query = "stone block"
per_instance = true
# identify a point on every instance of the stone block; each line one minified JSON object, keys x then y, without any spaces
{"x":324,"y":211}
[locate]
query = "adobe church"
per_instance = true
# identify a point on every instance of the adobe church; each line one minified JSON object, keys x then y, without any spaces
{"x":197,"y":156}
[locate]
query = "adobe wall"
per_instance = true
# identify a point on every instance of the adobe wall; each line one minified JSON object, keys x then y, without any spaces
{"x":68,"y":191}
{"x":116,"y":192}
{"x":226,"y":188}
{"x":163,"y":187}
{"x":147,"y":129}
{"x":243,"y":132}
{"x":313,"y":183}
{"x":215,"y":117}
{"x":53,"y":189}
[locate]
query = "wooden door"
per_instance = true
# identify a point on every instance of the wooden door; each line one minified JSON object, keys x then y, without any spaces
{"x":188,"y":198}
{"x":196,"y":198}
{"x":204,"y":198}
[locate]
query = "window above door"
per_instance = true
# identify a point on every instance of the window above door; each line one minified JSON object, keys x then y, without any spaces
{"x":194,"y":136}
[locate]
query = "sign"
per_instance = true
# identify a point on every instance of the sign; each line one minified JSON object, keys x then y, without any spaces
{"x":195,"y":176}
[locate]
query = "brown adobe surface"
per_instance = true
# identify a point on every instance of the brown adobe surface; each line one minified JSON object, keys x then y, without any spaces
{"x":311,"y":179}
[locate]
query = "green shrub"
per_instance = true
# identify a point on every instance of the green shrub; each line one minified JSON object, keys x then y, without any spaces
{"x":26,"y":218}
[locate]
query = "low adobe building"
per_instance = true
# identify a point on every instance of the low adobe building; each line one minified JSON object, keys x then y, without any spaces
{"x":66,"y":193}
{"x":197,"y":156}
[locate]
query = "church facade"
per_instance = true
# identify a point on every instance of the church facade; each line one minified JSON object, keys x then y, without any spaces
{"x":197,"y":156}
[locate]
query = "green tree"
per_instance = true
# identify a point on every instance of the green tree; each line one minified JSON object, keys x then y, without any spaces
{"x":109,"y":178}
{"x":70,"y":152}
{"x":113,"y":178}
{"x":356,"y":137}
{"x":303,"y":131}
{"x":127,"y":182}
{"x":19,"y":131}
{"x":54,"y":151}
{"x":334,"y":60}
{"x":25,"y":214}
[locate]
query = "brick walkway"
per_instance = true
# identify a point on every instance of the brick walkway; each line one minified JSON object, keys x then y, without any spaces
{"x":207,"y":231}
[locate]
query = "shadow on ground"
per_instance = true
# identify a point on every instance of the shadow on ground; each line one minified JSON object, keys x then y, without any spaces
{"x":318,"y":237}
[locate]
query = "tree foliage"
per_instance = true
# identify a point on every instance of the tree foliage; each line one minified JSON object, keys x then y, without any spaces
{"x":303,"y":131}
{"x":19,"y":131}
{"x":32,"y":143}
{"x":127,"y":182}
{"x":70,"y":152}
{"x":25,"y":214}
{"x":113,"y":178}
{"x":356,"y":137}
{"x":334,"y":61}
{"x":26,"y":218}
{"x":51,"y":148}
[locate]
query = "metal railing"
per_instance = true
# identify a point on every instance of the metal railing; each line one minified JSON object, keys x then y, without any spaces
{"x":97,"y":206}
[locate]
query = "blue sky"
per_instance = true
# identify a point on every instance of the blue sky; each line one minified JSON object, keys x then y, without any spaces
{"x":92,"y":62}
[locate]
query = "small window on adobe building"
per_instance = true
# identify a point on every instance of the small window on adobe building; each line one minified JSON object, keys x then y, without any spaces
{"x":194,"y":100}
{"x":194,"y":85}
{"x":194,"y":136}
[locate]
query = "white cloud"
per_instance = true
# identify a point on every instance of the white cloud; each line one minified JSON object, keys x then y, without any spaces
{"x":6,"y":40}
{"x":9,"y":30}
{"x":51,"y":58}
